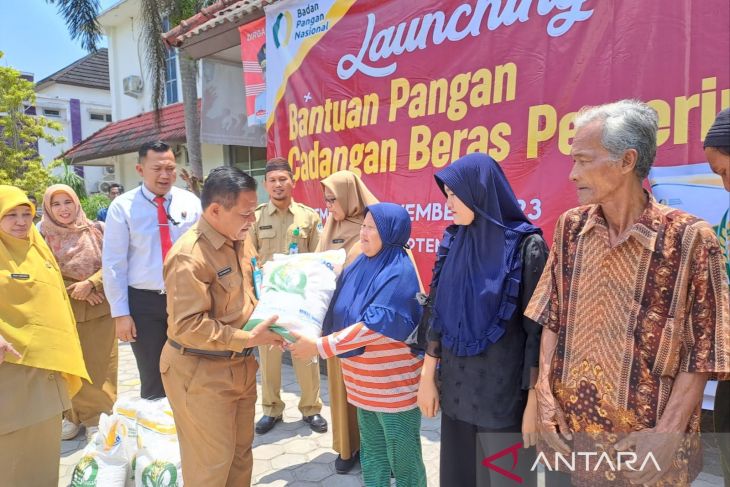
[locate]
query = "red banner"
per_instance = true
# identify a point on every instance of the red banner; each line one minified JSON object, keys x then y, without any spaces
{"x":253,"y":57}
{"x":396,"y":90}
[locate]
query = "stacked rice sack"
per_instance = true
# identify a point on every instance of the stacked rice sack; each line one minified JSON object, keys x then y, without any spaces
{"x":136,"y":446}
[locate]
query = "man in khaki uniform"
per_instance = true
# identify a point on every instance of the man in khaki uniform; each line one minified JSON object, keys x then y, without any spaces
{"x":280,"y":224}
{"x":207,"y":368}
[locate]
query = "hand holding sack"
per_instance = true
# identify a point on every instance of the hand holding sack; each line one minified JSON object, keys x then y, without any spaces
{"x":298,"y":288}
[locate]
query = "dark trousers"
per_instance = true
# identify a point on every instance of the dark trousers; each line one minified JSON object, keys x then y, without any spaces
{"x":464,"y":447}
{"x":149,"y":312}
{"x":722,"y":425}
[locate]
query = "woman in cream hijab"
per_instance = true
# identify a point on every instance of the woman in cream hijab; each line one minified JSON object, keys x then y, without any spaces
{"x":40,"y":354}
{"x":346,"y":198}
{"x":76,"y":244}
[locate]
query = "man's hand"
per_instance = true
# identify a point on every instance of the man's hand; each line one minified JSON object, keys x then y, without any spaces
{"x":551,"y":424}
{"x":6,"y":347}
{"x":262,"y":335}
{"x":550,"y":417}
{"x":126,"y":330}
{"x":428,"y":397}
{"x":80,"y":290}
{"x":663,"y":446}
{"x":529,"y":421}
{"x":95,"y":298}
{"x":304,"y":348}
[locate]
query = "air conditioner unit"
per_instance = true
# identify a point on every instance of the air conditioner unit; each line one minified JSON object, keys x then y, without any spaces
{"x":133,"y":86}
{"x":104,"y":187}
{"x":109,"y":169}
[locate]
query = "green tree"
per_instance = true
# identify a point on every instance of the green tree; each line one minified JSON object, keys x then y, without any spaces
{"x":81,"y":19}
{"x":20,"y":163}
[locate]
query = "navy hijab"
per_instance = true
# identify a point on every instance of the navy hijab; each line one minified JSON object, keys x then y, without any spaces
{"x":479,"y":284}
{"x":379,"y":291}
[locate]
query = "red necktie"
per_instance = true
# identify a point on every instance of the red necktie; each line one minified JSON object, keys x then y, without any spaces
{"x":165,"y":240}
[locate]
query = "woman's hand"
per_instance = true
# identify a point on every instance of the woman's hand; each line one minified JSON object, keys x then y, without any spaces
{"x":428,"y":393}
{"x":529,"y":421}
{"x":304,"y":348}
{"x":81,"y":290}
{"x":95,"y":298}
{"x":6,"y":347}
{"x":428,"y":397}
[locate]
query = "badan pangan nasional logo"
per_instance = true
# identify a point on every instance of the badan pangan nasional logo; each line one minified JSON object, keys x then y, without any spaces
{"x":279,"y":40}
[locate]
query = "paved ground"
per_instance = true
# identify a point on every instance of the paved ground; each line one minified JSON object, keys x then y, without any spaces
{"x":291,"y":454}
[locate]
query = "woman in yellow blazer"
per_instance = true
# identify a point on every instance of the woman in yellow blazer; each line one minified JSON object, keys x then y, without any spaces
{"x":41,"y":363}
{"x":76,"y":244}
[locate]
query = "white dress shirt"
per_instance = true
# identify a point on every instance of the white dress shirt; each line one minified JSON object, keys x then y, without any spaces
{"x":132,"y":252}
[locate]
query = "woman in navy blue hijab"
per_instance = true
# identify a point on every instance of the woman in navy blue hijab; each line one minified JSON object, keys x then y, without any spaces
{"x":372,"y":314}
{"x":485,"y":350}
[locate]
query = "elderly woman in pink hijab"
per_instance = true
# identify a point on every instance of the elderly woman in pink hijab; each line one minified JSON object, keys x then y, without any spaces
{"x":76,"y":243}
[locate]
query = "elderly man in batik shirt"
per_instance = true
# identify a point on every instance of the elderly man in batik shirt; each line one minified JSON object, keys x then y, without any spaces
{"x":634,"y":298}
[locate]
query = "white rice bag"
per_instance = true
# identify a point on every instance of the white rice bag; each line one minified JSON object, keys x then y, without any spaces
{"x":298,"y":288}
{"x":104,"y":462}
{"x":158,"y":452}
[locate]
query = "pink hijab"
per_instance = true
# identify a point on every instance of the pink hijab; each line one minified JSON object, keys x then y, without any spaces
{"x":76,"y":246}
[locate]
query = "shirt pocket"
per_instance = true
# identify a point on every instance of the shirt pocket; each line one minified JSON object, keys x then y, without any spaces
{"x":267,"y":241}
{"x":233,"y":284}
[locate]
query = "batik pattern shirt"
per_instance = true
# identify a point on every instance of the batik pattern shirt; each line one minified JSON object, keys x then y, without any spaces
{"x":629,"y":318}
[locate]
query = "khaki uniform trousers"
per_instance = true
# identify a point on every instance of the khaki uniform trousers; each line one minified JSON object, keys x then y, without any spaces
{"x":30,"y":456}
{"x":101,"y":355}
{"x":307,"y":375}
{"x":345,"y":431}
{"x":31,"y":403}
{"x":213,"y":401}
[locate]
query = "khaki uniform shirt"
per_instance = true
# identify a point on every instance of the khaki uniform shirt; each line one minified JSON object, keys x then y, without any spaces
{"x":210,"y":293}
{"x":274,"y":229}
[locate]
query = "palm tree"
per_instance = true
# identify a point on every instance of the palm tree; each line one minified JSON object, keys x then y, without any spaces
{"x":81,"y":17}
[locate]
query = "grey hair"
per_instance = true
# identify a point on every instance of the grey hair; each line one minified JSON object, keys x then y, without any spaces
{"x":627,"y":124}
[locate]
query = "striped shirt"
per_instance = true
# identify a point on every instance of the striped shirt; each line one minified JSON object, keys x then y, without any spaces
{"x":383,"y":378}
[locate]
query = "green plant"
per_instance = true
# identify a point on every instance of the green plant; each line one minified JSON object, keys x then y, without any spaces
{"x":20,"y":163}
{"x":70,"y":178}
{"x":92,"y":204}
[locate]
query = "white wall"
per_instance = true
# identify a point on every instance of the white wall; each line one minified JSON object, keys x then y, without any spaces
{"x":56,"y":96}
{"x":122,"y":26}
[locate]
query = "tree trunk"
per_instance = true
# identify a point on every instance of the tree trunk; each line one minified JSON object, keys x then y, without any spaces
{"x":189,"y":80}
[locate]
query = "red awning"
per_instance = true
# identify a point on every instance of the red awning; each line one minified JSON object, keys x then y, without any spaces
{"x":128,"y":135}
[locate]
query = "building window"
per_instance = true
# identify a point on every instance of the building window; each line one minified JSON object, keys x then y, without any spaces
{"x":48,"y":112}
{"x":253,"y":161}
{"x":170,"y":69}
{"x":101,"y":117}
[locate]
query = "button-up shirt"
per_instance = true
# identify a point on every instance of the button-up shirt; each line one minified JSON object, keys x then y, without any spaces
{"x":210,"y":295}
{"x":132,"y":253}
{"x":274,"y":230}
{"x":629,"y":318}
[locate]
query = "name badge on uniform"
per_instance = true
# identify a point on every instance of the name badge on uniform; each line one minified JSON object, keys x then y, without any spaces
{"x":224,"y":272}
{"x":266,"y":227}
{"x":21,"y":277}
{"x":338,"y":241}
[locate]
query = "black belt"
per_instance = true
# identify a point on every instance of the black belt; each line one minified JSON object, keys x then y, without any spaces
{"x":210,"y":353}
{"x":151,"y":291}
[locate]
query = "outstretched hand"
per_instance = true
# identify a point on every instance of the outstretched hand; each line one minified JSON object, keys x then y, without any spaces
{"x":304,"y":347}
{"x":5,"y":348}
{"x":262,"y":334}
